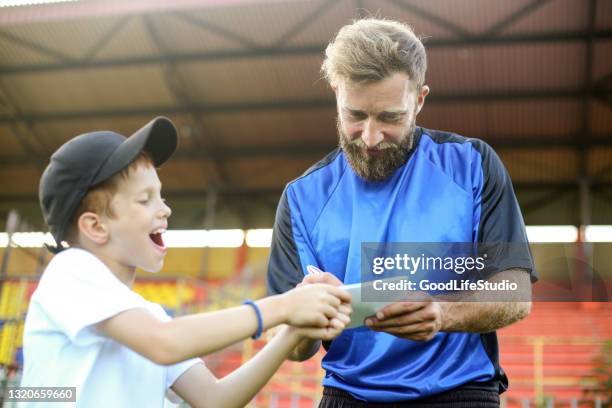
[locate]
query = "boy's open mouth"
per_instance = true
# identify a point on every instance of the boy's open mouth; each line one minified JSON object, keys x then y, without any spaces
{"x":156,"y":237}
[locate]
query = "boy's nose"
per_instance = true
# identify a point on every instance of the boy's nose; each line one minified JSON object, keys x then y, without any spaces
{"x":166,"y":211}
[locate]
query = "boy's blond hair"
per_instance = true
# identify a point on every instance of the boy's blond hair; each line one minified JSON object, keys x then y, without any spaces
{"x":371,"y":49}
{"x":98,"y":199}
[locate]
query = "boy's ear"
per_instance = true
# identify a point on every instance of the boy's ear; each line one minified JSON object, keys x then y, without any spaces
{"x":92,"y":227}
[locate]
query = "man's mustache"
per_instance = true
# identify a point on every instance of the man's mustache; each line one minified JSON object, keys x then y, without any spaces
{"x":381,"y":146}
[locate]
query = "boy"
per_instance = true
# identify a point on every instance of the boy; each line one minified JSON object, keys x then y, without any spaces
{"x":86,"y":328}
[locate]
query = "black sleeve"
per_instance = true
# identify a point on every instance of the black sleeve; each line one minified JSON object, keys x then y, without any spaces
{"x":501,"y":229}
{"x":284,"y":268}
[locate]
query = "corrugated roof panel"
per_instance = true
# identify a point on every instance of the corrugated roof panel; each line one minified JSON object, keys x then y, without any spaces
{"x":269,"y":128}
{"x":255,"y":80}
{"x":13,"y":54}
{"x":602,"y":59}
{"x":506,"y":67}
{"x":599,"y":163}
{"x":555,"y":15}
{"x":184,"y":36}
{"x":323,"y":28}
{"x":10,"y":145}
{"x":601,"y":118}
{"x":132,"y":40}
{"x":533,"y":66}
{"x":421,"y":25}
{"x":473,"y":16}
{"x":58,"y":132}
{"x":72,"y":38}
{"x":20,"y":179}
{"x":264,"y":24}
{"x":453,"y":69}
{"x":499,"y":120}
{"x":540,"y":165}
{"x":109,"y":89}
{"x":533,"y":118}
{"x":272,"y":172}
{"x":603,"y":15}
{"x":467,"y":119}
{"x":181,"y":175}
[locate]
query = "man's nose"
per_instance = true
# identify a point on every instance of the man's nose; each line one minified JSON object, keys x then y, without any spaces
{"x":371,"y":134}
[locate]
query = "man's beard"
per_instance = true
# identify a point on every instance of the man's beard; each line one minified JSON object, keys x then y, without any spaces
{"x":381,"y":167}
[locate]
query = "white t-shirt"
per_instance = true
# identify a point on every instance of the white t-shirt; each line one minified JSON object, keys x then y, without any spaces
{"x":62,"y":347}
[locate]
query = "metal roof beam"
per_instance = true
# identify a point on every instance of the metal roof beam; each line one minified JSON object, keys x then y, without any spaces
{"x":295,"y":150}
{"x":82,"y":10}
{"x":517,"y":15}
{"x":65,"y":59}
{"x":488,"y":96}
{"x":271,"y":52}
{"x":236,"y":191}
{"x":105,"y":39}
{"x":208,"y":26}
{"x":179,"y":90}
{"x":441,"y":22}
{"x":305,"y":22}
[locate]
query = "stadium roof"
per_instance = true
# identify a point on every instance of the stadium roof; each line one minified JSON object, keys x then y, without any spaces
{"x":241,"y":80}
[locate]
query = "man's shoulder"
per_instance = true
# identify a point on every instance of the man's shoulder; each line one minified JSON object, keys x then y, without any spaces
{"x":324,"y":173}
{"x":441,"y":138}
{"x":320,"y":168}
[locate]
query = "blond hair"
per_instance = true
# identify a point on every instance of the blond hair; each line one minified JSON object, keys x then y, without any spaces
{"x":370,"y":49}
{"x":98,"y":199}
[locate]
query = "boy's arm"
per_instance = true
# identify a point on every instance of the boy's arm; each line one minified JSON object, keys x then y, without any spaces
{"x":197,"y":335}
{"x":307,"y":347}
{"x":199,"y":387}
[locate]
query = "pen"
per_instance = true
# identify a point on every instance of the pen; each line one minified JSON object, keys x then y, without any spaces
{"x":313,"y":270}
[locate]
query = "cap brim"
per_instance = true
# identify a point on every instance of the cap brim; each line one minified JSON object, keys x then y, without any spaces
{"x":159,"y":138}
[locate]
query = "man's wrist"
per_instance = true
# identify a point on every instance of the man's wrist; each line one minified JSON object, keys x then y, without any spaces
{"x":446,"y":316}
{"x":291,"y":335}
{"x":304,"y":349}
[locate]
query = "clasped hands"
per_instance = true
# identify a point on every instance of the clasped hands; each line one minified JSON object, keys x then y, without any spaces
{"x":413,"y":320}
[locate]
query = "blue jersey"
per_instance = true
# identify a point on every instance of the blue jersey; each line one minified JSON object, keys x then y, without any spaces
{"x":451,"y":189}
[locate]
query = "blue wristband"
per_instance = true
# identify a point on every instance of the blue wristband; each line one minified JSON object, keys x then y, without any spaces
{"x":259,"y":319}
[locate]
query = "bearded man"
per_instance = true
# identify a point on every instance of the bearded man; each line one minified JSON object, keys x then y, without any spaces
{"x":392,"y":181}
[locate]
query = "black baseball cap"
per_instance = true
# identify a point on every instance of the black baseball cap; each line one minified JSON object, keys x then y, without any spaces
{"x":92,"y":158}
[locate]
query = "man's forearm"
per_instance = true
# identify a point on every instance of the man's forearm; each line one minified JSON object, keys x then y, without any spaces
{"x":482,"y":317}
{"x":305,"y":349}
{"x":483,"y":311}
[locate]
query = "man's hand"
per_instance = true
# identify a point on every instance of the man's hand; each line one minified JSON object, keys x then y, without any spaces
{"x":475,"y":312}
{"x":419,"y":321}
{"x":321,"y":277}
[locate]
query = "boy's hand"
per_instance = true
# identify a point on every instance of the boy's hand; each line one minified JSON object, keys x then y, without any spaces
{"x":336,"y":326}
{"x":314,"y":305}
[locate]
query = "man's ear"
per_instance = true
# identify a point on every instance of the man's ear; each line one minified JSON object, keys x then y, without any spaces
{"x":91,"y":226}
{"x":421,"y":97}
